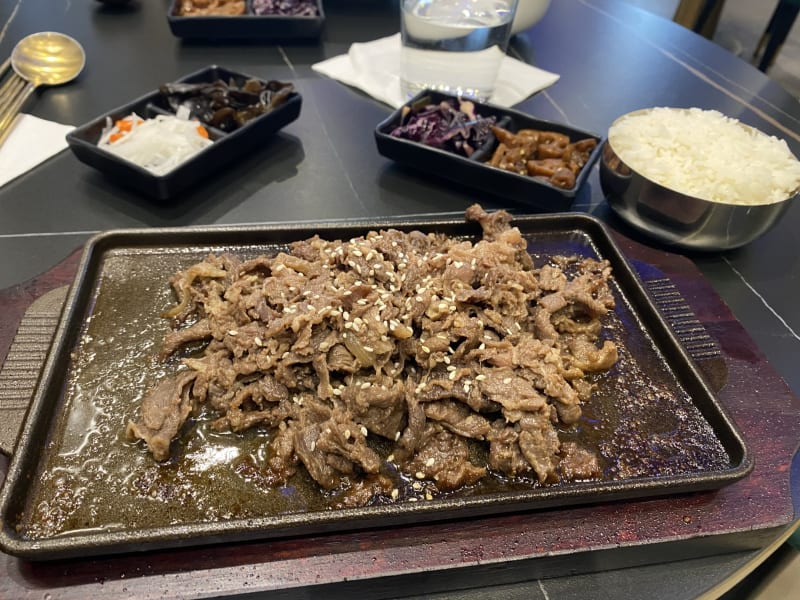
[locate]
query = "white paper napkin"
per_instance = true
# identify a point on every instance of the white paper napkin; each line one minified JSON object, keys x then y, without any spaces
{"x":374,"y":67}
{"x":31,"y":141}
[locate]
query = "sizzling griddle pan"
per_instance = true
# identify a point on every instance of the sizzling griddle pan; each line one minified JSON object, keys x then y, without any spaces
{"x":77,"y":487}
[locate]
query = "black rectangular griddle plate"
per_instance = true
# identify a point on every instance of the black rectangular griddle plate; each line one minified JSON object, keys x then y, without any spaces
{"x":101,"y":494}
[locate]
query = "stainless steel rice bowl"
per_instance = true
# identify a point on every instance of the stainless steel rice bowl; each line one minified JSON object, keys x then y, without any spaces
{"x":678,"y":219}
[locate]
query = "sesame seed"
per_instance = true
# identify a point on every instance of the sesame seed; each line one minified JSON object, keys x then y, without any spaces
{"x":258,"y":341}
{"x":390,"y":458}
{"x":507,"y":380}
{"x":395,"y":493}
{"x":452,"y":375}
{"x":347,"y":434}
{"x":396,"y":437}
{"x":364,"y":431}
{"x":337,"y":392}
{"x":480,"y":377}
{"x":426,"y":349}
{"x":313,"y":445}
{"x":412,"y":499}
{"x":365,"y":385}
{"x":417,"y":486}
{"x":428,"y":496}
{"x":419,"y":475}
{"x":233,"y":332}
{"x":451,"y":367}
{"x":358,"y":253}
{"x":482,"y":346}
{"x":430,"y":462}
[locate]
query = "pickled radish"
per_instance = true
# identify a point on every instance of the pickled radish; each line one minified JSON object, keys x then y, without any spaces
{"x":159,"y":144}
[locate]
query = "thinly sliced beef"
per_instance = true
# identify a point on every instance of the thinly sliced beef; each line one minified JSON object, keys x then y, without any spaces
{"x":538,"y":441}
{"x":198,"y":332}
{"x":578,"y":463}
{"x":458,"y":418}
{"x":164,"y":411}
{"x":505,"y":455}
{"x":418,"y":346}
{"x":444,"y":458}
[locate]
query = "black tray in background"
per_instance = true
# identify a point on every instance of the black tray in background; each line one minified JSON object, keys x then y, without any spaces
{"x":227,"y":147}
{"x":123,"y":277}
{"x":247,"y":26}
{"x":471,"y":172}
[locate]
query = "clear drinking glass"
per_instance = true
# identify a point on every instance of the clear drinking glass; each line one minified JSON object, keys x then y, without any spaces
{"x":454,"y":46}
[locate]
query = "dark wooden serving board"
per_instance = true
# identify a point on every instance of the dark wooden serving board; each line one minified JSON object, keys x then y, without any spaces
{"x":380,"y":563}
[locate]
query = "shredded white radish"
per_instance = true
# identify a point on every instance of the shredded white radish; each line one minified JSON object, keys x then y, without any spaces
{"x":158,"y":145}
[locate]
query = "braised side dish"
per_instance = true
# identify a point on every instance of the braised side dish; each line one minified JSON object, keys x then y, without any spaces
{"x":548,"y":155}
{"x":226,"y":105}
{"x":191,"y":8}
{"x":393,"y":354}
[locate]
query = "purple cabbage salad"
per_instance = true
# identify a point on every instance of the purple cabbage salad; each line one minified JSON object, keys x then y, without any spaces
{"x":294,"y":8}
{"x":456,"y":128}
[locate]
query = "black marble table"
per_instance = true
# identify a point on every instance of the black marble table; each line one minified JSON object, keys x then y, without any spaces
{"x":612,"y":59}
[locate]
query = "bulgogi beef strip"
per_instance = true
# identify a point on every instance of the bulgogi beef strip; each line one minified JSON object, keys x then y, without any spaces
{"x":430,"y":342}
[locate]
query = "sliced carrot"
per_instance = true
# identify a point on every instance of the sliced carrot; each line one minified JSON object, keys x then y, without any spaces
{"x":202,"y":131}
{"x":126,"y":124}
{"x":114,"y":137}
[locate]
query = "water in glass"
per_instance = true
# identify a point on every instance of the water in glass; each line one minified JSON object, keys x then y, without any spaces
{"x":454,"y":46}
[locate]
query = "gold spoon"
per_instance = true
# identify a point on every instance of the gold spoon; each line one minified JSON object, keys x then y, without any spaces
{"x":45,"y":58}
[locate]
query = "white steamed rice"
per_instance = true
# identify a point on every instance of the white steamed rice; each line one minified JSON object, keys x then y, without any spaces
{"x":705,"y":154}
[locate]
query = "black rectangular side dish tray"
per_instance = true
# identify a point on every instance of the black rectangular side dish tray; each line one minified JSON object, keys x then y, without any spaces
{"x":249,"y":26}
{"x":77,"y":487}
{"x":473,"y":172}
{"x":228,"y":147}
